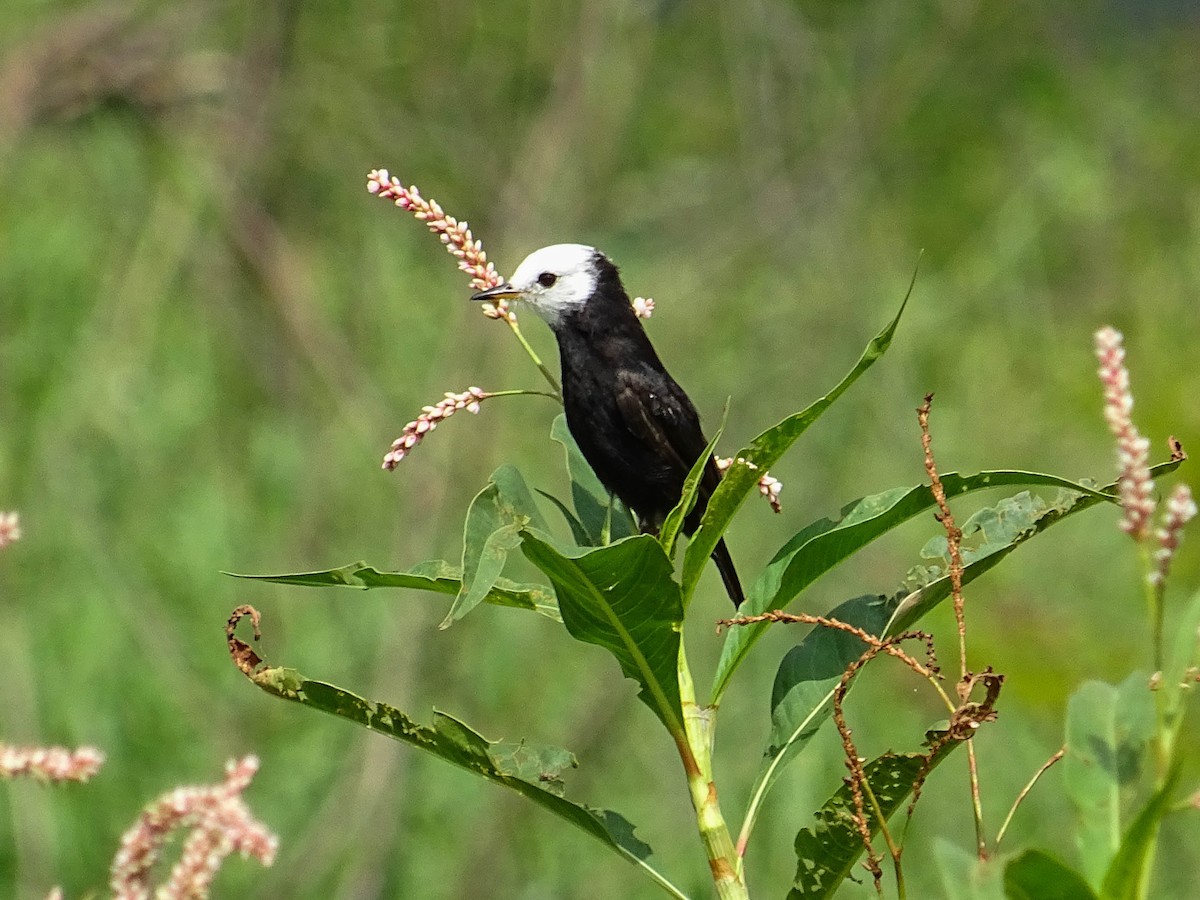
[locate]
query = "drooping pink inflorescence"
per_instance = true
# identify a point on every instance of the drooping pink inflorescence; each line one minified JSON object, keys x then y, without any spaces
{"x":50,"y":763}
{"x":768,"y":485}
{"x":220,"y":823}
{"x":455,"y":235}
{"x":1133,"y":450}
{"x":427,"y":421}
{"x":10,"y":528}
{"x":1181,"y":509}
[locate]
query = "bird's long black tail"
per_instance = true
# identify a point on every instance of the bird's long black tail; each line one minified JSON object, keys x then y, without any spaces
{"x":729,"y":574}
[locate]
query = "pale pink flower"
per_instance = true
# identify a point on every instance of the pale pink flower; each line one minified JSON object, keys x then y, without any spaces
{"x":768,"y":485}
{"x":219,"y":822}
{"x":455,"y":235}
{"x":415,"y":431}
{"x":10,"y":528}
{"x":1133,"y":450}
{"x":50,"y":763}
{"x":1181,"y":509}
{"x":643,"y":307}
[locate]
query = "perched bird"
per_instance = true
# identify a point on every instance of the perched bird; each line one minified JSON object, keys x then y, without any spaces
{"x":635,"y":425}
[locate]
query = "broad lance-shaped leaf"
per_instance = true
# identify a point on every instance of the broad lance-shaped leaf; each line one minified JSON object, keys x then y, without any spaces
{"x":671,"y":526}
{"x":529,"y":769}
{"x":434,"y":575}
{"x":1035,"y":875}
{"x":494,"y":521}
{"x":827,"y":852}
{"x":741,"y":478}
{"x":802,"y":695}
{"x":590,"y":498}
{"x":821,"y":546}
{"x":1108,"y":730}
{"x":621,"y":597}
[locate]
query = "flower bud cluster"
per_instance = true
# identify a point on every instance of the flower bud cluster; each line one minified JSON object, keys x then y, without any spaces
{"x":10,"y":528}
{"x":455,"y":235}
{"x":1133,"y":450}
{"x":1181,"y":509}
{"x":415,"y":431}
{"x":50,"y":763}
{"x":643,"y":307}
{"x":220,"y":823}
{"x":768,"y":485}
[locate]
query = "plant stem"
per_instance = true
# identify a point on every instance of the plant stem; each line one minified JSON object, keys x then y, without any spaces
{"x":976,"y":802}
{"x":723,"y":861}
{"x":894,"y":849}
{"x":537,"y":361}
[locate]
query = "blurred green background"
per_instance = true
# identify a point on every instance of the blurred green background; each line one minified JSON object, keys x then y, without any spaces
{"x":210,"y":333}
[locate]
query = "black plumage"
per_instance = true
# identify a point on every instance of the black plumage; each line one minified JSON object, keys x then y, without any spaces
{"x":634,"y":424}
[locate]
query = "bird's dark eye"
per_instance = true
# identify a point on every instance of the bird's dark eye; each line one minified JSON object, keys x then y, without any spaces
{"x":547,"y":279}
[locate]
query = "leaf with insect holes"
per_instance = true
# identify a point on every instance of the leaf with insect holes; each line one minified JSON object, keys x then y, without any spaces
{"x":532,"y":770}
{"x":827,"y":851}
{"x":803,"y":687}
{"x":819,"y":547}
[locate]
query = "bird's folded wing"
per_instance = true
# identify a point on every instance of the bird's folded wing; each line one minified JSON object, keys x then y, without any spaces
{"x":665,"y":422}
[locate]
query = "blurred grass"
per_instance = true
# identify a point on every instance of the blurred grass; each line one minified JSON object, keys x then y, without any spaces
{"x":210,"y":334}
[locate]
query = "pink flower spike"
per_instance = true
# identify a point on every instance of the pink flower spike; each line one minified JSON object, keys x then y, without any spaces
{"x":219,"y":823}
{"x":455,"y":235}
{"x":50,"y":763}
{"x":415,"y":431}
{"x":1181,"y":509}
{"x":1133,"y":450}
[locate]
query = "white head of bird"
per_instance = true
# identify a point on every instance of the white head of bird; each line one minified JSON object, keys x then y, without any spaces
{"x":556,"y":280}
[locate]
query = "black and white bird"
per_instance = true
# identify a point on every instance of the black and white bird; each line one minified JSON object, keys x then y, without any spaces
{"x":635,"y":425}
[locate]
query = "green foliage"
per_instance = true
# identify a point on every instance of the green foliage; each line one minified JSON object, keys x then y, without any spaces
{"x":210,"y":335}
{"x":622,"y":597}
{"x":1108,"y":730}
{"x":1035,"y":875}
{"x":828,"y":850}
{"x":531,"y":770}
{"x":435,"y":575}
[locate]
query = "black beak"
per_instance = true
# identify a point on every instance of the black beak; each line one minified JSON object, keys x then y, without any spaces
{"x":503,"y":291}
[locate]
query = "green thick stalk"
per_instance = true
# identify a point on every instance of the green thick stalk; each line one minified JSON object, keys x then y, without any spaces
{"x":714,"y":832}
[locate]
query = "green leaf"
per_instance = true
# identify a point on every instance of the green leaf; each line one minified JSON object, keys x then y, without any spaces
{"x":803,"y":691}
{"x":965,"y":876}
{"x":819,"y":547}
{"x":579,"y":534}
{"x":591,"y":499}
{"x":1108,"y":729}
{"x":532,"y":770}
{"x":434,"y":575}
{"x":827,"y":851}
{"x":492,"y":531}
{"x":1128,"y":876}
{"x":741,"y":478}
{"x":621,"y":597}
{"x":669,"y":532}
{"x":1035,"y":875}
